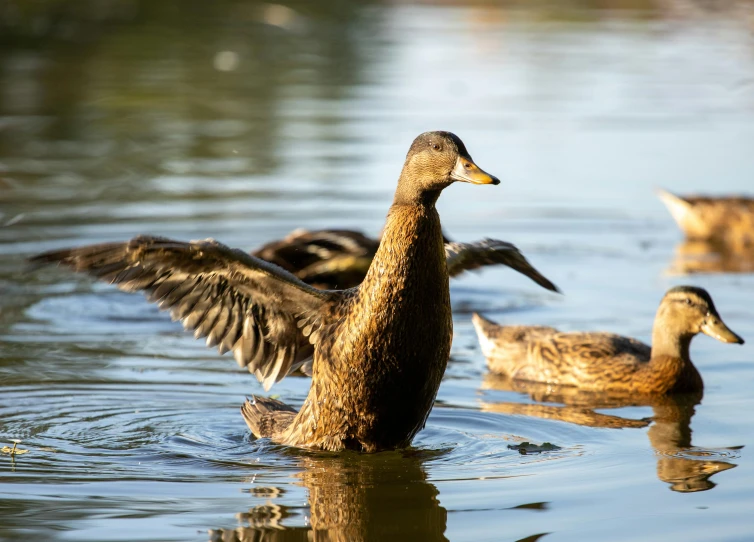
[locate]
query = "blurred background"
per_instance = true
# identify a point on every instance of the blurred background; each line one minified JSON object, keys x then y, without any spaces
{"x":244,"y":120}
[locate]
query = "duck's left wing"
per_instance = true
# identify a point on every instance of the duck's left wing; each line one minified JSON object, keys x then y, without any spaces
{"x":462,"y":257}
{"x":265,"y":315}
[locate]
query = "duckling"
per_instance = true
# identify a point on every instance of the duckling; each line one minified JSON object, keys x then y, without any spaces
{"x":330,"y":259}
{"x":605,"y":361}
{"x":726,"y":220}
{"x":379,"y":350}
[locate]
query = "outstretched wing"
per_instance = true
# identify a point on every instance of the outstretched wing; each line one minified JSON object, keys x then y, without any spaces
{"x":467,"y":256}
{"x":267,"y":317}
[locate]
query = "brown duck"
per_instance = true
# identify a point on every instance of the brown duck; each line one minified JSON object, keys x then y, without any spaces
{"x":726,"y":220}
{"x":379,"y":350}
{"x":339,"y":259}
{"x":607,"y":362}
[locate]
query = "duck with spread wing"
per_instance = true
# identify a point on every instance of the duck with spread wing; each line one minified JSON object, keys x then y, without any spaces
{"x":379,"y":350}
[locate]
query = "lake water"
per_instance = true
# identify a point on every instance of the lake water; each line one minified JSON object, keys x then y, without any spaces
{"x":243,"y":121}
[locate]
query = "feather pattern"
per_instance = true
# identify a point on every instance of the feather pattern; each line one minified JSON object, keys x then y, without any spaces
{"x":341,"y":258}
{"x":462,"y":257}
{"x":238,"y":302}
{"x":378,"y":351}
{"x":604,"y":362}
{"x":728,"y":221}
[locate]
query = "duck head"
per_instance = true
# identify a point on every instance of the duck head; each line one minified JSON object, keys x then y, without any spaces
{"x":689,"y":310}
{"x":434,"y":161}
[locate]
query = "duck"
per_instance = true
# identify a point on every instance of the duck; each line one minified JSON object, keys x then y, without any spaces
{"x":726,"y":221}
{"x":332,"y":259}
{"x":378,"y":351}
{"x":608,"y":362}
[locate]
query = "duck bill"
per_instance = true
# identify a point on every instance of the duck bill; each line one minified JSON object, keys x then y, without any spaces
{"x":467,"y":171}
{"x":716,"y":328}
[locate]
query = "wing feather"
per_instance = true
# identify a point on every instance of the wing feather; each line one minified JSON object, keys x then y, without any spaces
{"x":462,"y":257}
{"x":240,"y":303}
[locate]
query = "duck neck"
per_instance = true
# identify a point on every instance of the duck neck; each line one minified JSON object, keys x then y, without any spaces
{"x":671,"y":346}
{"x":670,"y":359}
{"x":669,"y":341}
{"x":411,"y":245}
{"x":409,"y":193}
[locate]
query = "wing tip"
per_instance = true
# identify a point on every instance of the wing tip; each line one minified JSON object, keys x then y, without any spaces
{"x":547,"y":284}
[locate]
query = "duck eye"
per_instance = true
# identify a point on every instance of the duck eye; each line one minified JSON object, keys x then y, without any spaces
{"x":436,"y":146}
{"x":688,"y":301}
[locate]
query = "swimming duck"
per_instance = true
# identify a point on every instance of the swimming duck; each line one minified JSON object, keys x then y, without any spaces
{"x":379,"y":350}
{"x":605,"y":361}
{"x":725,"y":220}
{"x":330,"y":259}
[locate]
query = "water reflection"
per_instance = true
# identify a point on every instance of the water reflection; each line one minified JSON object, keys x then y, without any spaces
{"x":684,"y":467}
{"x":242,"y":120}
{"x":711,"y":257}
{"x":352,"y":497}
{"x":154,"y":89}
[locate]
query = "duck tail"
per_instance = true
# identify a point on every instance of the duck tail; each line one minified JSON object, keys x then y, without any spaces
{"x":680,"y":209}
{"x":266,"y":417}
{"x":487,"y":331}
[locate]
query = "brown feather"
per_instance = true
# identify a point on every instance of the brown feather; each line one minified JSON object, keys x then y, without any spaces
{"x":379,"y":350}
{"x":724,"y":220}
{"x":331,"y":259}
{"x":604,"y":361}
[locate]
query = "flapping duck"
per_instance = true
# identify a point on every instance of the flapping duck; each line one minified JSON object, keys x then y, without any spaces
{"x":379,"y":350}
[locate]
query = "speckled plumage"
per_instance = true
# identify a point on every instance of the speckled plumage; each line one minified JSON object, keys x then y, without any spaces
{"x":377,"y":372}
{"x":379,"y":350}
{"x":725,"y":220}
{"x":606,"y":361}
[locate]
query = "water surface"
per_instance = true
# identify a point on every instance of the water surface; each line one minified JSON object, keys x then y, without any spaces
{"x":243,"y":121}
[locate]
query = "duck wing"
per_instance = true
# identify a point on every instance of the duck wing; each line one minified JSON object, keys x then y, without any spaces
{"x":462,"y":257}
{"x":301,"y":248}
{"x":268,"y":318}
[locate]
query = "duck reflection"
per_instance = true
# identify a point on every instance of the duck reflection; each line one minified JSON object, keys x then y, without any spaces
{"x":352,"y":497}
{"x":684,"y":467}
{"x":693,"y":256}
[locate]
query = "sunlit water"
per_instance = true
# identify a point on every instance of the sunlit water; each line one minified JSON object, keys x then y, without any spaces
{"x":242,"y":122}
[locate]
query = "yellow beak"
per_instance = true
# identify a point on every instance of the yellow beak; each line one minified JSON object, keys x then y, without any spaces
{"x":716,"y":328}
{"x":467,"y":171}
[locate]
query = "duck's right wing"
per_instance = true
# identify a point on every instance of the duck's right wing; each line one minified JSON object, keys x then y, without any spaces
{"x":266,"y":316}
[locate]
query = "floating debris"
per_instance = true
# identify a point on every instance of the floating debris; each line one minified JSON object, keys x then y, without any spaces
{"x":13,"y":451}
{"x":529,"y":448}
